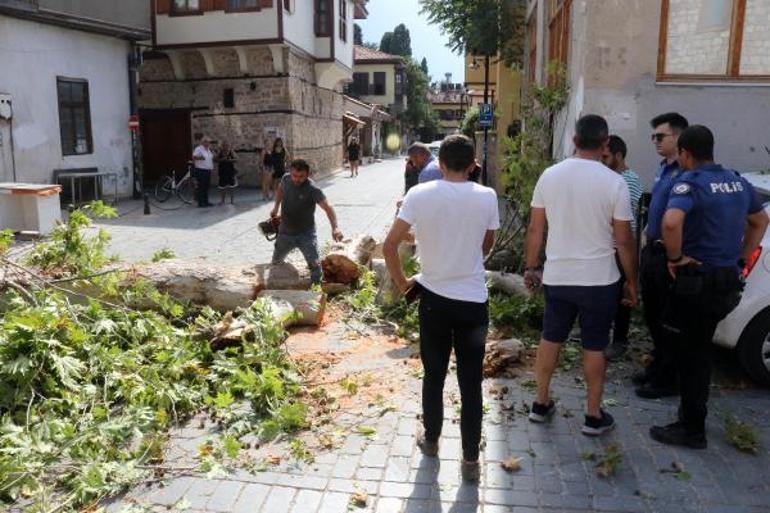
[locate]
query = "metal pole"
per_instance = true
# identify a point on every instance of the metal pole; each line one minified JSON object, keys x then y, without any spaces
{"x":136,"y":150}
{"x":486,"y":128}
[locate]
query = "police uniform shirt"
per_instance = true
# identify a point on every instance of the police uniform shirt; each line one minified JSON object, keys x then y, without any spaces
{"x":716,"y":202}
{"x":665,"y":178}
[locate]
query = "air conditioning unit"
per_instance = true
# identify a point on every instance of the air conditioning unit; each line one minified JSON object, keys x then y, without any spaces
{"x":6,"y":108}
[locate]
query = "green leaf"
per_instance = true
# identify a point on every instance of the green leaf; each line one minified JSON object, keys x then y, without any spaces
{"x":231,"y":446}
{"x":224,"y":400}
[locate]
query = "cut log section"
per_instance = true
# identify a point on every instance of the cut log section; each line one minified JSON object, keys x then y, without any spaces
{"x":296,"y":307}
{"x":500,"y":355}
{"x":341,"y":263}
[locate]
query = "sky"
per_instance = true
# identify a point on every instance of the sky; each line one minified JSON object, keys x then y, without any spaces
{"x":427,"y":40}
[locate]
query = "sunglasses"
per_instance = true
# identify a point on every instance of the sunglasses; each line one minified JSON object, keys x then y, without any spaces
{"x":660,"y":136}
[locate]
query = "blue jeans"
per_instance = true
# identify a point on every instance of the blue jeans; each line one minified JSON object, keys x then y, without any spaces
{"x":307,"y":243}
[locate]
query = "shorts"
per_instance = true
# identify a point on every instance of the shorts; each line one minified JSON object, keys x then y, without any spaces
{"x":595,"y":306}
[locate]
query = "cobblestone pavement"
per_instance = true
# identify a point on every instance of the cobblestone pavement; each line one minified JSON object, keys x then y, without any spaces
{"x":229,"y":233}
{"x":558,"y":463}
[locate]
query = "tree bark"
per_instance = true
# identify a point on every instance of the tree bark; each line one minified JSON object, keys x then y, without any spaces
{"x":222,"y":288}
{"x":342,"y":263}
{"x":508,"y":283}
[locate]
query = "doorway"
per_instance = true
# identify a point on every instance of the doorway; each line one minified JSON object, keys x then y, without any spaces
{"x":166,"y":143}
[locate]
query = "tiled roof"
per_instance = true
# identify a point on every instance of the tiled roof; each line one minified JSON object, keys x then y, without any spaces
{"x":362,"y":53}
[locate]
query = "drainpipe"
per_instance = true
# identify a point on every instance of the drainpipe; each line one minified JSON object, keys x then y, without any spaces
{"x":134,"y":61}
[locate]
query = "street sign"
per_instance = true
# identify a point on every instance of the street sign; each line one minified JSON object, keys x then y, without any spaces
{"x":133,"y":123}
{"x":486,"y":115}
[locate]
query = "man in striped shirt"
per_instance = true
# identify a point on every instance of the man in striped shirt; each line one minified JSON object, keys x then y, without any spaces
{"x":615,"y":159}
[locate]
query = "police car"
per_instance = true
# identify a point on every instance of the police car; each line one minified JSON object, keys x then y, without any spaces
{"x":747,"y":328}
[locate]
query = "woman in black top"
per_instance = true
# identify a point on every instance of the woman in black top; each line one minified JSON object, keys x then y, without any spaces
{"x":278,"y":159}
{"x":226,"y":158}
{"x":354,"y":156}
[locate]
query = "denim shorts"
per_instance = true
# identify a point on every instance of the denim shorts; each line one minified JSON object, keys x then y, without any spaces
{"x":594,"y":306}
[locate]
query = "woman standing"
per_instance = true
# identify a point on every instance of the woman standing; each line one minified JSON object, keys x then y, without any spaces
{"x":278,"y":159}
{"x":267,"y":171}
{"x":226,"y":158}
{"x":354,"y":156}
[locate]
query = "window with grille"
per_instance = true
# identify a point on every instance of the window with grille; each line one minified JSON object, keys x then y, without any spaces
{"x":361,"y":83}
{"x":74,"y":116}
{"x":379,"y":83}
{"x":323,"y":18}
{"x":185,"y":5}
{"x":559,"y":31}
{"x":343,"y":23}
{"x":242,"y":5}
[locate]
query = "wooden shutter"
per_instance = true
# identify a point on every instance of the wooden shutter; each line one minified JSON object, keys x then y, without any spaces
{"x":162,"y":6}
{"x":266,"y":4}
{"x":220,"y":5}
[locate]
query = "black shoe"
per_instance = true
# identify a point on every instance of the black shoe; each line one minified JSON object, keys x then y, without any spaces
{"x":541,"y":413}
{"x":652,"y":390}
{"x":676,"y":434}
{"x":595,"y":426}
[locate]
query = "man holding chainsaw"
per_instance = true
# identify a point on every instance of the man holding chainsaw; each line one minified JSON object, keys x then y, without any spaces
{"x":297,"y":197}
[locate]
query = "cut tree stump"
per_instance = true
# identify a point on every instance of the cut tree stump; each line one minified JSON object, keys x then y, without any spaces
{"x":296,"y":307}
{"x":508,"y":283}
{"x":387,"y":294}
{"x":342,"y":263}
{"x":500,"y":355}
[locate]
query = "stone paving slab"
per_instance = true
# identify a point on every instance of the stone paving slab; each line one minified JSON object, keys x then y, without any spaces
{"x":555,"y":475}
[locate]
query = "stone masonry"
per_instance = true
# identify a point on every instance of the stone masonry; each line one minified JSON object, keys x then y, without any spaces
{"x":309,"y":118}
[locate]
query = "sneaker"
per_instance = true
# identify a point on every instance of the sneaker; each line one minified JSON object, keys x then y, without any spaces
{"x":428,"y":447}
{"x":652,"y":390}
{"x":677,"y":434}
{"x":541,"y":413}
{"x":616,"y":350}
{"x":595,"y":426}
{"x":471,"y":471}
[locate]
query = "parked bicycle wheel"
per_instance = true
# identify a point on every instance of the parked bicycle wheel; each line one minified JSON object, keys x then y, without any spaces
{"x":186,"y":191}
{"x":164,"y":188}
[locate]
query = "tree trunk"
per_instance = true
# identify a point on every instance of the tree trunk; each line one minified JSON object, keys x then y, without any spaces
{"x":341,"y":264}
{"x":222,"y":288}
{"x":508,"y":283}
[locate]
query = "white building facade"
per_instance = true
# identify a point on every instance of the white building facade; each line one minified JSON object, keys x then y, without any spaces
{"x":64,"y":81}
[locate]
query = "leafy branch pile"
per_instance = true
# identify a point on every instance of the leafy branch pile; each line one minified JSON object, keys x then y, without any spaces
{"x":365,"y":306}
{"x":89,"y":389}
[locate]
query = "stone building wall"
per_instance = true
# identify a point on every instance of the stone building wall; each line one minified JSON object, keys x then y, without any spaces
{"x":308,"y":118}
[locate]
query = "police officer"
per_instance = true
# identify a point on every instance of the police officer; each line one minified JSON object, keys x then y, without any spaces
{"x":659,"y":379}
{"x":713,"y":221}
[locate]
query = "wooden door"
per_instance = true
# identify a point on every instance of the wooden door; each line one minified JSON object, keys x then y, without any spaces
{"x":166,"y":143}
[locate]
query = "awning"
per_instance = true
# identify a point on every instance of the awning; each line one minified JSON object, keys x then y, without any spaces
{"x":353,"y":119}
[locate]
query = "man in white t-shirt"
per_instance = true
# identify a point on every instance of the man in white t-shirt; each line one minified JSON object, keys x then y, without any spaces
{"x":586,"y":208}
{"x":454,"y":222}
{"x":203,"y":164}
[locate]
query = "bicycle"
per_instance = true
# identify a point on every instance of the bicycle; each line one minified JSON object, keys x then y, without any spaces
{"x":168,"y":185}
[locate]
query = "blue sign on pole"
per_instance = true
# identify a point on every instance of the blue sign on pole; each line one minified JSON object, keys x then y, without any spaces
{"x":486,"y":114}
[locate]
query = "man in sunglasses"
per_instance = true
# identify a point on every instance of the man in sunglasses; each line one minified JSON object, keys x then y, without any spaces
{"x":660,"y":378}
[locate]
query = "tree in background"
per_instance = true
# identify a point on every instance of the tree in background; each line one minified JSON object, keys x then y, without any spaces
{"x":424,"y":67}
{"x":419,"y":116}
{"x":358,"y":35}
{"x":481,"y":27}
{"x":398,"y":42}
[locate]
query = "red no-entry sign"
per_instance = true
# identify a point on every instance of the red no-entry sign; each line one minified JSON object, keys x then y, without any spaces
{"x":133,"y":123}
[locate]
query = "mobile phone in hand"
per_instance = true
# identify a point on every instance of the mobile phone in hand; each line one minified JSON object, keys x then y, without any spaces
{"x":413,"y":292}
